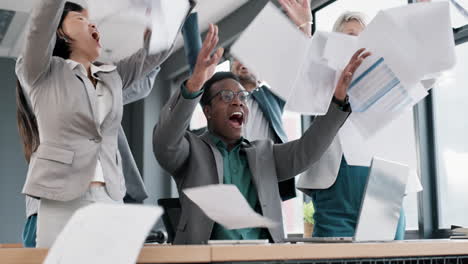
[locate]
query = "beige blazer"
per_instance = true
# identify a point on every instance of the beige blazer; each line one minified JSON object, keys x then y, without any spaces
{"x":63,"y":101}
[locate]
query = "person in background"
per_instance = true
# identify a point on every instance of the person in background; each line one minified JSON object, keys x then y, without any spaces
{"x":223,"y":156}
{"x":336,"y":207}
{"x":76,"y":108}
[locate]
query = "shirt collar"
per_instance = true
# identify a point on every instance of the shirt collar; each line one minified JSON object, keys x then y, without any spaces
{"x":94,"y":68}
{"x":220,"y":144}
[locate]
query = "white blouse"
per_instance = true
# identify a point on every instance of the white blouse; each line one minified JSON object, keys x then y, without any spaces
{"x":103,"y":101}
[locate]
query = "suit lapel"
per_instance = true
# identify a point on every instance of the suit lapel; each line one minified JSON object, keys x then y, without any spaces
{"x":217,"y":156}
{"x":256,"y":174}
{"x":252,"y":159}
{"x":91,"y":92}
{"x":106,"y":79}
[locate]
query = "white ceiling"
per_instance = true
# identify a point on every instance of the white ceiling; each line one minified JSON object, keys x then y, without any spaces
{"x":17,"y":5}
{"x":120,"y":37}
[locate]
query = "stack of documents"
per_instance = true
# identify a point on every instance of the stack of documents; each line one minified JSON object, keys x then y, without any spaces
{"x":406,"y":49}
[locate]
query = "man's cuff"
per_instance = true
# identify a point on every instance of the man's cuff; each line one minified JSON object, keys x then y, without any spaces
{"x":343,"y":105}
{"x":344,"y":108}
{"x":189,"y":95}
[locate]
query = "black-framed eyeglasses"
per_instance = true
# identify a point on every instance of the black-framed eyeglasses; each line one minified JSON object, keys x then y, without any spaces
{"x":227,"y":96}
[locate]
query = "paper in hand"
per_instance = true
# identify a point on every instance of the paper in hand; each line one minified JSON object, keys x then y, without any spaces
{"x":167,"y":17}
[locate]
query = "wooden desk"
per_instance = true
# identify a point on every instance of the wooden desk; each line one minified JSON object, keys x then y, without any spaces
{"x":149,"y":254}
{"x":339,"y":251}
{"x":278,"y":252}
{"x":11,"y":245}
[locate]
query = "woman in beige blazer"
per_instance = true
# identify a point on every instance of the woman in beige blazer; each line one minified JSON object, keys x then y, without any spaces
{"x":71,"y":134}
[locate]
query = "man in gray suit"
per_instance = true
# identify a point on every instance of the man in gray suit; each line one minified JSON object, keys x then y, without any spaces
{"x":222,"y":156}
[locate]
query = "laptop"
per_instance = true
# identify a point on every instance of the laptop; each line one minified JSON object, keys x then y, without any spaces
{"x":380,"y":206}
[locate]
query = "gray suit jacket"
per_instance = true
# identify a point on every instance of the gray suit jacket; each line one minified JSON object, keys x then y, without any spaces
{"x":133,"y":181}
{"x":194,"y":161}
{"x":71,"y":138}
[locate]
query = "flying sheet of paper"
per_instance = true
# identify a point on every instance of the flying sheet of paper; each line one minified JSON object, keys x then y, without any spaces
{"x":133,"y":22}
{"x":225,"y":205}
{"x":281,"y":55}
{"x":102,"y":9}
{"x":460,"y":8}
{"x":391,"y":73}
{"x":374,"y":81}
{"x":165,"y":21}
{"x":339,"y":49}
{"x":396,"y":142}
{"x":414,"y":184}
{"x":167,"y":17}
{"x":382,"y":201}
{"x":394,"y":45}
{"x":403,"y":53}
{"x":312,"y":95}
{"x":289,"y":62}
{"x":104,"y":233}
{"x":434,"y":37}
{"x":377,"y":117}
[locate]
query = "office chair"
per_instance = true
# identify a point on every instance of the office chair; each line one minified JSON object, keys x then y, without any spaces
{"x":171,"y":216}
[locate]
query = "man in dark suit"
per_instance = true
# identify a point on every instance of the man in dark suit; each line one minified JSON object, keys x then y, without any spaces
{"x":266,"y":109}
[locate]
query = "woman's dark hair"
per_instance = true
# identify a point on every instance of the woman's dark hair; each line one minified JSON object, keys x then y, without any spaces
{"x":27,"y":124}
{"x":62,"y":47}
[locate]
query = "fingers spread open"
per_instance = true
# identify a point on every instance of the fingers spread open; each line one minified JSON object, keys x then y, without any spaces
{"x":353,"y":67}
{"x":356,"y":55}
{"x":285,"y":5}
{"x":366,"y":54}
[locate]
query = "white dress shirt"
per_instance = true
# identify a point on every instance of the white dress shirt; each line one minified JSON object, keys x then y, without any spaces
{"x":257,"y":127}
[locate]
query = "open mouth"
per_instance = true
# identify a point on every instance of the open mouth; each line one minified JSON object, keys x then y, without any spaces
{"x":236,"y":119}
{"x":95,"y":35}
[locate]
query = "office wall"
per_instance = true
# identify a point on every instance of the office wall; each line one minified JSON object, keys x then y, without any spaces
{"x":12,"y":164}
{"x":139,"y":121}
